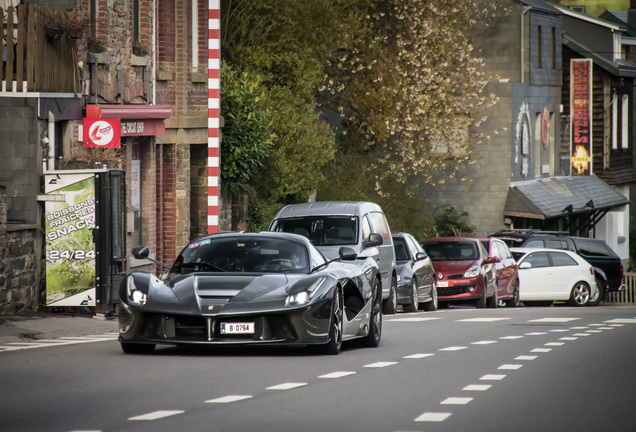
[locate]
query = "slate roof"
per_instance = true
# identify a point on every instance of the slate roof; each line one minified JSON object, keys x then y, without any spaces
{"x":548,"y":198}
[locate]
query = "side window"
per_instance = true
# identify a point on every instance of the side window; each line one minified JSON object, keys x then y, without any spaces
{"x":366,"y":228}
{"x":414,"y":246}
{"x":315,"y":258}
{"x":534,"y":244}
{"x":538,"y":259}
{"x":505,"y":252}
{"x":400,"y":249}
{"x":557,"y":244}
{"x":561,"y":259}
{"x":379,"y":225}
{"x":592,"y":248}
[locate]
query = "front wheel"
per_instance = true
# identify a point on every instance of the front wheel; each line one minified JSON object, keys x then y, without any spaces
{"x":375,"y":321}
{"x":580,"y":295}
{"x":432,"y":305}
{"x":334,"y":345}
{"x":514,"y":301}
{"x":412,"y":307}
{"x":390,"y":304}
{"x":493,"y":301}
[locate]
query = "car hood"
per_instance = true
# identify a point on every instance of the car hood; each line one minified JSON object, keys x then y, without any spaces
{"x":452,"y":267}
{"x":210,"y":294}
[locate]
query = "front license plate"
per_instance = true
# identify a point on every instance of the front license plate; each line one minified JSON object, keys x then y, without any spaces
{"x":237,"y":328}
{"x":443,"y":284}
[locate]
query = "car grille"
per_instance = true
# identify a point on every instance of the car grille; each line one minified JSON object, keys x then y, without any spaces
{"x":453,"y":291}
{"x":455,"y":276}
{"x":208,"y":329}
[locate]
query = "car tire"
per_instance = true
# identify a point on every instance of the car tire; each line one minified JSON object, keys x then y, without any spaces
{"x":412,"y":307}
{"x":481,"y":302}
{"x":492,"y":302}
{"x":375,"y":321}
{"x":137,"y":348}
{"x":599,"y":295}
{"x":390,"y":304}
{"x":431,"y":306}
{"x":336,"y":325}
{"x":514,"y":301}
{"x":580,"y":295}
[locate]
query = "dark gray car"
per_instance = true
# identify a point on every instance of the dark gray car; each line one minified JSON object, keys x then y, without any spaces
{"x":416,"y":277}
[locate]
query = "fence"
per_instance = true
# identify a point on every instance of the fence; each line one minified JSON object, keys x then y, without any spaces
{"x":625,"y":297}
{"x":33,"y":59}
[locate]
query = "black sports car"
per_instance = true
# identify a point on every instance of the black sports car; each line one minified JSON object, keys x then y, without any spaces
{"x":252,"y":288}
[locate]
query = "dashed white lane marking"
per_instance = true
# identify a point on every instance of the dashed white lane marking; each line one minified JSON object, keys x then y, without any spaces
{"x":492,"y":377}
{"x":597,"y":325}
{"x":621,"y":321}
{"x":525,"y":357}
{"x":418,"y":356}
{"x":568,"y":338}
{"x":456,"y":401}
{"x":484,"y":342}
{"x":453,"y":348}
{"x":380,"y":364}
{"x":579,"y":328}
{"x":559,"y":330}
{"x":335,"y":375}
{"x":555,"y":344}
{"x":229,"y":398}
{"x":559,"y":320}
{"x":511,"y":337}
{"x":477,"y":387}
{"x":286,"y":386}
{"x":413,"y":319}
{"x":157,"y":415}
{"x":606,"y":328}
{"x":617,"y":325}
{"x":580,"y":334}
{"x":595,"y":331}
{"x":536,"y":333}
{"x":541,"y":350}
{"x":482,"y":319}
{"x":433,"y":417}
{"x":510,"y":367}
{"x":86,"y":431}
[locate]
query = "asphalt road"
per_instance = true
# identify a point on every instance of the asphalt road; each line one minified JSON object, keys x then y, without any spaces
{"x":526,"y":369}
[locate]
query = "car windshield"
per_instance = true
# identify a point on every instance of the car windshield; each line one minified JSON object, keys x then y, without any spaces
{"x":322,"y":230}
{"x":451,"y":250}
{"x":243,"y":254}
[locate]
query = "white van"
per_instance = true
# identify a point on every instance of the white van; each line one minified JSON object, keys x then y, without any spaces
{"x":360,"y":225}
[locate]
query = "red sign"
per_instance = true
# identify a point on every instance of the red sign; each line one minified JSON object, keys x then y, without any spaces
{"x":580,"y":117}
{"x":101,"y":133}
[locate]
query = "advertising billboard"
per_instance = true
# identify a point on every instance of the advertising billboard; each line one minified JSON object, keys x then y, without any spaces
{"x":70,"y":244}
{"x":580,"y":117}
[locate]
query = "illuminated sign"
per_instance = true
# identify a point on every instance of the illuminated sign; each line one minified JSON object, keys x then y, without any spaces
{"x":580,"y":117}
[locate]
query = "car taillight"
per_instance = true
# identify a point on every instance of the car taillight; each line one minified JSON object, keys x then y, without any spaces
{"x":592,"y":271}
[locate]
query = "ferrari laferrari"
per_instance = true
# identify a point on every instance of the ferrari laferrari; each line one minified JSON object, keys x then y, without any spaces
{"x":252,"y":289}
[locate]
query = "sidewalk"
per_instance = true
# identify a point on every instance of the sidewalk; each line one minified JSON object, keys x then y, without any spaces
{"x":38,"y":326}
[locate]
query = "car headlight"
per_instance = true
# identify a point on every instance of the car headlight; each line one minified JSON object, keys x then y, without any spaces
{"x":135,"y":295}
{"x":399,"y":278}
{"x":472,"y":272}
{"x":304,"y":296}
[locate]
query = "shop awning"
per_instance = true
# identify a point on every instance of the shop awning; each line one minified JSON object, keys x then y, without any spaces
{"x":557,"y":196}
{"x":136,"y":120}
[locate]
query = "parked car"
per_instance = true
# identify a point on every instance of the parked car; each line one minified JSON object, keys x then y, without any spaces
{"x":507,"y":272}
{"x":356,"y":224}
{"x":417,"y":288}
{"x":548,"y":275}
{"x":464,"y":271}
{"x":608,"y":266}
{"x":252,"y":289}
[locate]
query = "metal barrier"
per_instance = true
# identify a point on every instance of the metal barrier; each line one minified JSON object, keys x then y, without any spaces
{"x":626,"y":296}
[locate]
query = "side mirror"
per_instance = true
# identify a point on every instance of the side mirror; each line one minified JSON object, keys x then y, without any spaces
{"x":420,"y":256}
{"x":525,"y":265}
{"x":492,"y":260}
{"x":141,"y":252}
{"x":347,"y":254}
{"x":374,"y":240}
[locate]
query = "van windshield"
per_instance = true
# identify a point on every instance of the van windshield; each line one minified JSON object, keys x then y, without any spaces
{"x":321,"y":230}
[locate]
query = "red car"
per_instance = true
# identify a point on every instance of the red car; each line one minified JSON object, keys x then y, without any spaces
{"x":464,"y":271}
{"x":506,"y":270}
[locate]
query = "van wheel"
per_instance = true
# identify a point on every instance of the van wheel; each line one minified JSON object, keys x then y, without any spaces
{"x":390,"y":304}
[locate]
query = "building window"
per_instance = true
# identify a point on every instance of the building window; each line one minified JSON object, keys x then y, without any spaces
{"x":553,"y":48}
{"x":195,"y":36}
{"x":614,"y":122}
{"x":136,"y":21}
{"x":625,"y":122}
{"x":539,"y":54}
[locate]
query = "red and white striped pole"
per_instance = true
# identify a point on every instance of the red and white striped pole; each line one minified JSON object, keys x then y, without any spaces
{"x":214,"y":113}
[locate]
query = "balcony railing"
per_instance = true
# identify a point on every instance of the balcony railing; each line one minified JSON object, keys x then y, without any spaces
{"x":33,"y":59}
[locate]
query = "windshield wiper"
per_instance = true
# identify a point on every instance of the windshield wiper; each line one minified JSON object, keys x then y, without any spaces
{"x":209,"y":266}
